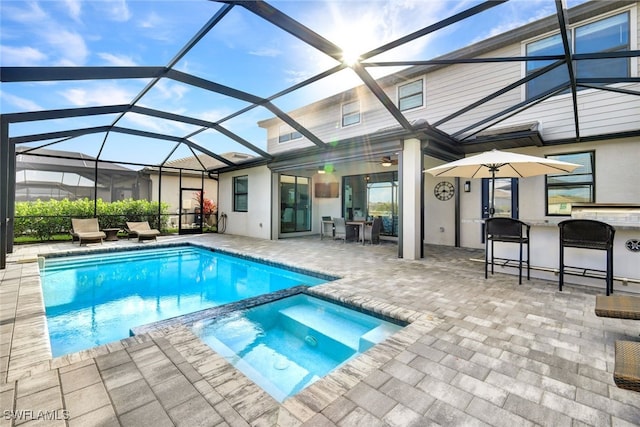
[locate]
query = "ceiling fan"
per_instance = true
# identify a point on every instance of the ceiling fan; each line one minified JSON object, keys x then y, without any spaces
{"x":386,"y":161}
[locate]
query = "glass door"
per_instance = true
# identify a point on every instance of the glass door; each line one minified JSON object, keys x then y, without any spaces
{"x":373,"y":195}
{"x":505,"y":201}
{"x":295,"y":208}
{"x":190,"y":215}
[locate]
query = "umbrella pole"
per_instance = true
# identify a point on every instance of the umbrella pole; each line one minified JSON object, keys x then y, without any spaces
{"x":492,"y":209}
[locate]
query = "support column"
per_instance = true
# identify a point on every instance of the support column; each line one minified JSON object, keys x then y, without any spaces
{"x":11,"y":195}
{"x":4,"y":190}
{"x":412,"y":196}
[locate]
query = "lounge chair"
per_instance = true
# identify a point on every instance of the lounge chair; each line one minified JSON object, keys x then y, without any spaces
{"x":142,"y":230}
{"x":86,"y":230}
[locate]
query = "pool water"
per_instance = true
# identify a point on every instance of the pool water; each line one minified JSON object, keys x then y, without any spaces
{"x":286,"y":345}
{"x":96,"y":299}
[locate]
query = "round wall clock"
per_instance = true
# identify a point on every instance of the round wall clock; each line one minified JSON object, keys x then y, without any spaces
{"x":444,"y":190}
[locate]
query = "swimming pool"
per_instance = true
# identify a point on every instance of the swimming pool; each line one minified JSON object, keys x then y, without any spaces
{"x":286,"y":345}
{"x":96,"y":299}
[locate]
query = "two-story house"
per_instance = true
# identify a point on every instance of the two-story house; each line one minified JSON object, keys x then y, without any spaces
{"x":529,"y":90}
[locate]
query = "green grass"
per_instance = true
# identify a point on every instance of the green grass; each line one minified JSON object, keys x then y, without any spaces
{"x":20,"y":240}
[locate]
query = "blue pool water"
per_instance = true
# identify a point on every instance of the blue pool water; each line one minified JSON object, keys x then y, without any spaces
{"x":286,"y":345}
{"x":96,"y":299}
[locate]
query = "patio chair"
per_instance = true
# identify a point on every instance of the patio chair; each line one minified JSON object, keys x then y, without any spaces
{"x":86,"y":230}
{"x":372,"y":231}
{"x":506,"y":230}
{"x":326,"y":226}
{"x":142,"y":230}
{"x":339,"y":229}
{"x":587,"y":234}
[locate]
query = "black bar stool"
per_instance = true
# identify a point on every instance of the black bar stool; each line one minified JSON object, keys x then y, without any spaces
{"x":587,"y":234}
{"x":507,"y":230}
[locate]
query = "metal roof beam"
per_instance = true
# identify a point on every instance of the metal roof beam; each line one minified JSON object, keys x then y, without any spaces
{"x":50,"y":74}
{"x":514,"y":109}
{"x":379,"y":93}
{"x":293,"y":27}
{"x":561,"y":8}
{"x":185,"y":141}
{"x":185,"y":49}
{"x":198,"y":122}
{"x":495,"y":95}
{"x":609,"y":88}
{"x":58,"y":134}
{"x":431,"y":28}
{"x":33,"y":116}
{"x":243,"y":96}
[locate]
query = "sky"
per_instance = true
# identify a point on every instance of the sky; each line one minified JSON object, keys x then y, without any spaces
{"x":242,"y":51}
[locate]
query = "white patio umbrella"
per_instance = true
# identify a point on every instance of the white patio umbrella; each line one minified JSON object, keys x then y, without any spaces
{"x":501,"y":164}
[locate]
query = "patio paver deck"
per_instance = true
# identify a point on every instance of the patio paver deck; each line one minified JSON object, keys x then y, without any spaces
{"x":479,"y":352}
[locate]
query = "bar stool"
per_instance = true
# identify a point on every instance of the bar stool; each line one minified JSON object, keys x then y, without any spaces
{"x":587,"y":234}
{"x":507,"y":230}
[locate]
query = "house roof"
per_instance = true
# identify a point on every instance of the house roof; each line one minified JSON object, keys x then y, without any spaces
{"x":203,"y":162}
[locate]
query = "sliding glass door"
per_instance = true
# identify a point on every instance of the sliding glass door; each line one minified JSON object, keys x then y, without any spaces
{"x":295,"y":208}
{"x":373,"y":195}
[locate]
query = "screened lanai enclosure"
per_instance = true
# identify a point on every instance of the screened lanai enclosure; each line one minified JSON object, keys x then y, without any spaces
{"x":59,"y":175}
{"x":139,"y":85}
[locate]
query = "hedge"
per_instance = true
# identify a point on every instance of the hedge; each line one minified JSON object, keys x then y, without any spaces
{"x":43,"y":219}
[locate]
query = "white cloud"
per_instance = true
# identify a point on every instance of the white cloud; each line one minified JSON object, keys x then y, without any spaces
{"x":154,"y":124}
{"x":117,"y":60}
{"x":71,"y":46}
{"x":119,"y":10}
{"x":22,"y":104}
{"x":170,"y":91}
{"x":99,"y":94}
{"x":21,"y":56}
{"x":32,"y":12}
{"x":74,"y":8}
{"x":214,"y":115}
{"x":266,"y":51}
{"x":152,"y":20}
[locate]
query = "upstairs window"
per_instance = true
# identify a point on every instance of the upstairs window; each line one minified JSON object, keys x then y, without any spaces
{"x":606,"y":35}
{"x":350,"y":113}
{"x":241,"y":193}
{"x":410,"y":95}
{"x":563,"y":190}
{"x":288,"y":134}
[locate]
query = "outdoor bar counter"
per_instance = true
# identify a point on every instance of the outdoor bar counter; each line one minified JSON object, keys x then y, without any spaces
{"x":545,"y":247}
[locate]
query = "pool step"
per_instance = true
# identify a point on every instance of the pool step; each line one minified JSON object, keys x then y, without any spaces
{"x":112,"y":258}
{"x":376,"y":335}
{"x":331,"y":325}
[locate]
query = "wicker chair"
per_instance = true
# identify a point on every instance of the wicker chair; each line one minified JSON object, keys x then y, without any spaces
{"x":587,"y":234}
{"x":86,"y":230}
{"x":507,"y":230}
{"x":626,"y":373}
{"x":372,"y":231}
